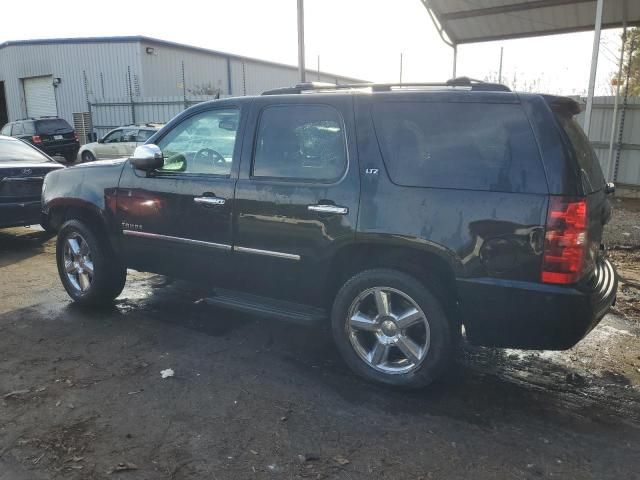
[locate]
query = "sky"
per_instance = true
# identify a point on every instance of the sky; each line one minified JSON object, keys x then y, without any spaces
{"x":358,"y":38}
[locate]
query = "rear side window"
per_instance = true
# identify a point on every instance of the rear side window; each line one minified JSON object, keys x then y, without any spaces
{"x":52,"y":126}
{"x":6,"y":130}
{"x":304,"y":142}
{"x":474,"y":146}
{"x":591,"y":173}
{"x":144,"y":135}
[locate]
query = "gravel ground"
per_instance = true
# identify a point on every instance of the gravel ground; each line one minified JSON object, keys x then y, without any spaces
{"x":81,"y":394}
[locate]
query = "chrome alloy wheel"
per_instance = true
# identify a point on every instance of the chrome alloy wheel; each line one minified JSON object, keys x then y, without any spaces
{"x":78,"y":265}
{"x":388,"y":330}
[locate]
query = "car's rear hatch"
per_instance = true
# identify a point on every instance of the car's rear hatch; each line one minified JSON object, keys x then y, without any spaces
{"x":54,"y":132}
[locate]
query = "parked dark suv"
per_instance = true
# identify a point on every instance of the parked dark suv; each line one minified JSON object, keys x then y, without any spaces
{"x":52,"y":135}
{"x":398,"y":214}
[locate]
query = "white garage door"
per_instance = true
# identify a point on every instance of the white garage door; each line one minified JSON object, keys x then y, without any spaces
{"x":40,"y":97}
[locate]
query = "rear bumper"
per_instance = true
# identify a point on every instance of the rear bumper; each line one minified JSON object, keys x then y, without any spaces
{"x":504,"y":313}
{"x":60,"y":149}
{"x":16,"y":214}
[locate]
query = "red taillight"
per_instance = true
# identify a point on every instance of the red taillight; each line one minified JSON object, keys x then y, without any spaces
{"x":36,"y":139}
{"x":565,"y":243}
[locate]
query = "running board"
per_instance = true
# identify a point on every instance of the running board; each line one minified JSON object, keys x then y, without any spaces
{"x":266,"y":307}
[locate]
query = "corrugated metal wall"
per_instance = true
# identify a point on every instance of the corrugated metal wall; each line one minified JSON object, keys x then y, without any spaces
{"x":628,"y":171}
{"x":105,"y":65}
{"x":118,"y":71}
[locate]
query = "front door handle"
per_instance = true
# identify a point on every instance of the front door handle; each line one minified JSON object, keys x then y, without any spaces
{"x":210,"y":200}
{"x":325,"y":208}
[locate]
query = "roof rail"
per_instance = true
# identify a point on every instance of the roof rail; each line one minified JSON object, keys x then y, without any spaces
{"x":465,"y":82}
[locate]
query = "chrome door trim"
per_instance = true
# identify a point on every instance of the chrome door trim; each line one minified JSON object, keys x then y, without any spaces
{"x":268,"y":253}
{"x":328,"y":209}
{"x":210,"y":200}
{"x":187,"y":241}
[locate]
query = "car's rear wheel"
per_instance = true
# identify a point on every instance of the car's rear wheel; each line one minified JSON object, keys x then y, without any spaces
{"x":390,"y":328}
{"x":87,"y":156}
{"x":89,"y":270}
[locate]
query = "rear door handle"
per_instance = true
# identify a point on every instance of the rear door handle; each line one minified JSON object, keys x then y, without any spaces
{"x":210,"y":200}
{"x":324,"y":208}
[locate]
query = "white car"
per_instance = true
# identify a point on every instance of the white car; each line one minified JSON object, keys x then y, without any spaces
{"x":118,"y":143}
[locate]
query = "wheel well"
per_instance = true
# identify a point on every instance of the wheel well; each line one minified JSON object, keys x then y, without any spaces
{"x":428,"y":268}
{"x":59,"y":215}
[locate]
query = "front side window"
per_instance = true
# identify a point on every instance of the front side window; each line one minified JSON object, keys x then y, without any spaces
{"x":304,"y":142}
{"x":113,"y":137}
{"x":29,"y":128}
{"x":461,"y":145}
{"x":202,"y":144}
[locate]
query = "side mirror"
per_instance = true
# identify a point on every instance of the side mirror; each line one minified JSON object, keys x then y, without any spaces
{"x":147,"y":157}
{"x":610,"y":188}
{"x":100,"y":140}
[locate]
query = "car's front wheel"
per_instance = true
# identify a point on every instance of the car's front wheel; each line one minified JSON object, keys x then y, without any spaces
{"x":89,"y":270}
{"x":391,"y":329}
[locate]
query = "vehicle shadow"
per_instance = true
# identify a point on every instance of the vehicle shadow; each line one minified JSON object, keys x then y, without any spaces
{"x":484,"y":385}
{"x":17,"y":244}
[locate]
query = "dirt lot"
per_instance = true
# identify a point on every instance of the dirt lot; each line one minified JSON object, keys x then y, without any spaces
{"x":81,"y":395}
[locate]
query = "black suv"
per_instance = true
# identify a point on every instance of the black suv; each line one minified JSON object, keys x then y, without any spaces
{"x":52,"y":135}
{"x":396,"y":214}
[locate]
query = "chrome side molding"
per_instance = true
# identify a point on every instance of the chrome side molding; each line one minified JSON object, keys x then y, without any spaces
{"x":269,"y":253}
{"x":188,"y":241}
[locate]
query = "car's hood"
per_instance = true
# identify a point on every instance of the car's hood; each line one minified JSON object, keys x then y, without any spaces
{"x":99,"y":163}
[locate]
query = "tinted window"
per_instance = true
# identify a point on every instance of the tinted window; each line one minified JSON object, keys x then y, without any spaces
{"x":300,"y":141}
{"x":459,"y":145}
{"x":203,"y":143}
{"x":144,"y":135}
{"x":18,"y":129}
{"x":6,"y":130}
{"x":592,"y":176}
{"x":113,"y":137}
{"x":17,"y":151}
{"x":52,"y":126}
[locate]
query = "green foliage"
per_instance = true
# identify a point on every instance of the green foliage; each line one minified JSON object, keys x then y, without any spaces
{"x":632,"y":45}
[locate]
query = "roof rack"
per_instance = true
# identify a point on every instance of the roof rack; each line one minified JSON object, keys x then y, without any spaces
{"x":458,"y":82}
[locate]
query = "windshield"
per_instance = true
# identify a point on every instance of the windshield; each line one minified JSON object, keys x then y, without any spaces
{"x":17,"y":151}
{"x":51,"y":126}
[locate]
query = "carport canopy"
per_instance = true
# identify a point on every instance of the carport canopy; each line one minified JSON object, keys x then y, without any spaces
{"x":472,"y":21}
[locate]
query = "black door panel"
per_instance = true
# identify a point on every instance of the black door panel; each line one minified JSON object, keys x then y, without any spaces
{"x":278,"y":235}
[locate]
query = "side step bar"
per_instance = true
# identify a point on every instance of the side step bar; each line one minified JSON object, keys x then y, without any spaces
{"x":267,"y":307}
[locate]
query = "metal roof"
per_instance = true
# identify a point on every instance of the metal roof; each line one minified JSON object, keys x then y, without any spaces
{"x":158,"y":42}
{"x":470,"y":21}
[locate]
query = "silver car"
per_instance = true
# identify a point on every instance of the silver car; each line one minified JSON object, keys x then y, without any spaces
{"x":118,"y":143}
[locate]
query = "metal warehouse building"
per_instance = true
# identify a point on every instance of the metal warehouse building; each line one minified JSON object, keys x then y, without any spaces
{"x":101,"y":83}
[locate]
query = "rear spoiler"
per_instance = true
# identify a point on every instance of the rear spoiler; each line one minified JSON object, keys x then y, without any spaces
{"x":565,"y":106}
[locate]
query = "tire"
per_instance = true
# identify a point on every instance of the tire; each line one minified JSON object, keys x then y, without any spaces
{"x":93,"y":254}
{"x":87,"y":156}
{"x":376,"y":350}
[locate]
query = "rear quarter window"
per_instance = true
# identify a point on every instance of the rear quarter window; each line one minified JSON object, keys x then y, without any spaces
{"x":474,"y":146}
{"x":586,"y":158}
